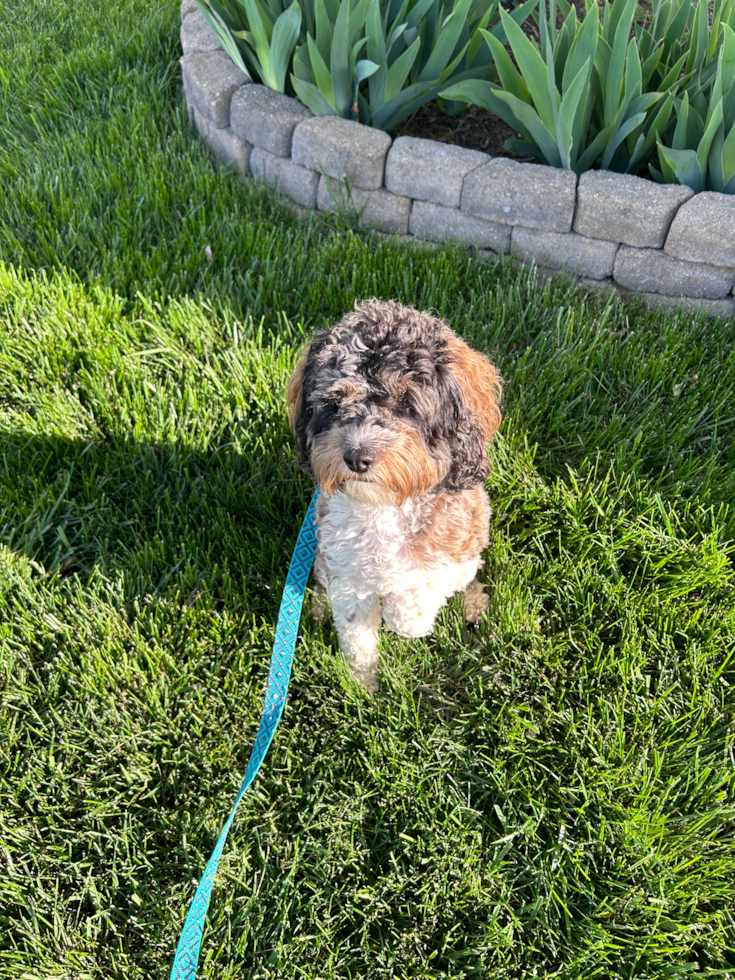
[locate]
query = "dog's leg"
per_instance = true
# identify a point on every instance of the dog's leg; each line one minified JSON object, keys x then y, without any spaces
{"x":476,"y":601}
{"x":412,"y":613}
{"x":357,"y":621}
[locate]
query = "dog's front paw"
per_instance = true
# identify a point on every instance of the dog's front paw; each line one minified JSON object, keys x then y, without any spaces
{"x":476,"y":602}
{"x":369,"y":680}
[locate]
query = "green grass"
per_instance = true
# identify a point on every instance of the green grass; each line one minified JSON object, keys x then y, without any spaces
{"x":548,"y":797}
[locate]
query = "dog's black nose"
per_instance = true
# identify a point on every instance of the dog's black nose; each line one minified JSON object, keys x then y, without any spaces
{"x":358,"y":460}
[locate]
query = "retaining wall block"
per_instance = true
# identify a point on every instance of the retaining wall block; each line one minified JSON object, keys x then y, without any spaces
{"x":210,"y":81}
{"x":704,"y":230}
{"x":196,"y":36}
{"x":377,"y":209}
{"x":444,"y":224}
{"x":430,"y":171}
{"x":628,"y":209}
{"x":283,"y":175}
{"x":651,"y":270}
{"x":343,"y":149}
{"x":229,"y":150}
{"x":266,"y":118}
{"x":187,"y":6}
{"x":722,"y":308}
{"x":527,"y":194}
{"x":575,"y":253}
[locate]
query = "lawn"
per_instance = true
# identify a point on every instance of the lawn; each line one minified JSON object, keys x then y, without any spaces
{"x":550,"y":796}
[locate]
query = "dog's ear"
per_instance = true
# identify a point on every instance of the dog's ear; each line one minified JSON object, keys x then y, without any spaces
{"x":296,"y":419}
{"x":481,"y":384}
{"x":479,"y":415}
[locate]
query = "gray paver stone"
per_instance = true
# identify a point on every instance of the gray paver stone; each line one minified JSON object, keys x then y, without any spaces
{"x":430,"y":171}
{"x":704,"y":230}
{"x":723,"y":308}
{"x":527,"y":194}
{"x":266,"y":118}
{"x":210,"y":81}
{"x":651,"y":270}
{"x":442,"y":224}
{"x":283,"y":175}
{"x":628,"y":209}
{"x":343,"y":149}
{"x":187,"y":6}
{"x":587,"y":256}
{"x":196,"y":36}
{"x":229,"y":150}
{"x":375,"y":209}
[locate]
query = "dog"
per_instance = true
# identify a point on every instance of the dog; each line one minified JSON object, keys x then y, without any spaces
{"x":392,"y":414}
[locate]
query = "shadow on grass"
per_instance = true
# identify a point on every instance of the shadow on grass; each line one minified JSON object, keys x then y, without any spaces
{"x":512,"y":788}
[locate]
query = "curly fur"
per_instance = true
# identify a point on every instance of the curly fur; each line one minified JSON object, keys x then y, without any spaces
{"x":392,"y":415}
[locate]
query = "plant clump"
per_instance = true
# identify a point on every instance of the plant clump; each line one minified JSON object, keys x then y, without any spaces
{"x":649,"y":93}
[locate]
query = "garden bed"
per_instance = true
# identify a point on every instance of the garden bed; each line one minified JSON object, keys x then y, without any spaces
{"x":613,"y":232}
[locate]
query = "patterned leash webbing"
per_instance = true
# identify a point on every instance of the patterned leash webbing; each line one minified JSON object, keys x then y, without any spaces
{"x":287,"y":628}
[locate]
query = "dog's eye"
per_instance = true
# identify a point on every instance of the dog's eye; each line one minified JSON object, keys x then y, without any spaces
{"x":309,"y":412}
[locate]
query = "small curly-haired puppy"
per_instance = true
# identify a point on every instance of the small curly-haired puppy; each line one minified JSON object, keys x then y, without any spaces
{"x":392,"y":414}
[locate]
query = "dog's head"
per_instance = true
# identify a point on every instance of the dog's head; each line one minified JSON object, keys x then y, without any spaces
{"x":390,"y":404}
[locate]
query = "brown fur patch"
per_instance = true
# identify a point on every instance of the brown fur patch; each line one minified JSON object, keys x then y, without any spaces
{"x":455,"y":528}
{"x":476,"y":601}
{"x":294,"y":391}
{"x":481,"y":383}
{"x":402,"y":463}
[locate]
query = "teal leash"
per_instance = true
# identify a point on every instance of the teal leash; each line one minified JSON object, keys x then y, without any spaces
{"x":287,"y":628}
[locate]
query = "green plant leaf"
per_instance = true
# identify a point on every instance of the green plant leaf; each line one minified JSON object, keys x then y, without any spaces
{"x":699,"y":38}
{"x":728,"y":155}
{"x":519,"y":15}
{"x":357,"y":19}
{"x":224,"y":34}
{"x":672,"y":77}
{"x":625,"y":129}
{"x":323,"y":36}
{"x":399,"y":70}
{"x":679,"y":139}
{"x":622,"y":18}
{"x":377,"y":52}
{"x":633,"y":74}
{"x":284,"y":38}
{"x":569,"y":112}
{"x":587,"y":159}
{"x":446,"y":41}
{"x":510,"y":78}
{"x":602,"y":63}
{"x":658,"y":122}
{"x":709,"y":134}
{"x":320,"y":72}
{"x":339,"y":62}
{"x":530,"y":120}
{"x":533,"y":70}
{"x":583,"y":49}
{"x":683,"y":164}
{"x":312,"y":98}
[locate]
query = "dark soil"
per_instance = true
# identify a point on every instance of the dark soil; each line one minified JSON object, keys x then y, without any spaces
{"x":475,"y":129}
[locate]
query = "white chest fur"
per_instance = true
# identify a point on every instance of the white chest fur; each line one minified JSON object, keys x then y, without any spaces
{"x":365,"y":549}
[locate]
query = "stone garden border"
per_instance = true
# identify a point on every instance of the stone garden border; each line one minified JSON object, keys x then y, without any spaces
{"x":612,"y":232}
